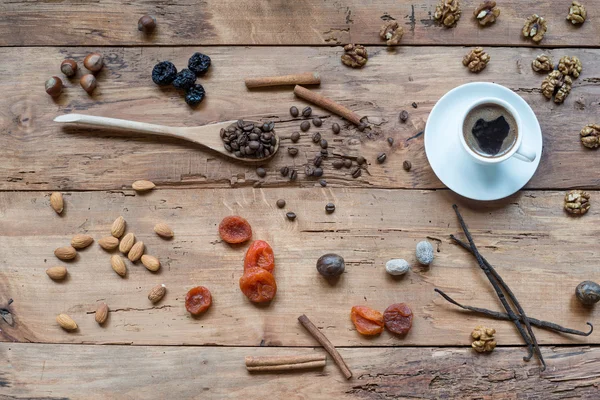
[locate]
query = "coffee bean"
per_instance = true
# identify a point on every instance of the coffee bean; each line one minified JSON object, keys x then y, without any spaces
{"x":414,"y":105}
{"x":284,"y":171}
{"x":238,"y":153}
{"x":317,"y":122}
{"x":235,"y":146}
{"x":294,"y":111}
{"x":337,"y":164}
{"x":316,"y":137}
{"x":329,"y":208}
{"x":324,"y":144}
{"x":293,"y":151}
{"x":294,"y":175}
{"x":253,"y":136}
{"x":281,"y":203}
{"x":323,"y":182}
{"x":361,"y":127}
{"x":295,"y":137}
{"x":306,"y":111}
{"x":260,"y":171}
{"x":360,"y":160}
{"x":268,"y":126}
{"x":248,"y":128}
{"x":347,"y":163}
{"x":291,"y":216}
{"x":381,"y":157}
{"x":317,"y":161}
{"x":254,"y":145}
{"x":240,"y":123}
{"x":324,"y":153}
{"x":356,"y":172}
{"x":227,"y":147}
{"x":309,"y":171}
{"x":335,"y":128}
{"x":406,"y":165}
{"x":403,"y":115}
{"x":390,"y":141}
{"x":318,"y":172}
{"x":304,"y":126}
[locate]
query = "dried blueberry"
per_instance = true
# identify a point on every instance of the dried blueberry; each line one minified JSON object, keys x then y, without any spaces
{"x":163,"y":73}
{"x":195,"y":95}
{"x":199,"y":63}
{"x":185,"y":79}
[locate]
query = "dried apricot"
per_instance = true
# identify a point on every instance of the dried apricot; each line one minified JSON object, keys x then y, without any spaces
{"x":197,"y":300}
{"x":234,"y":229}
{"x":258,"y":285}
{"x":398,"y":318}
{"x":260,"y":255}
{"x":366,"y":320}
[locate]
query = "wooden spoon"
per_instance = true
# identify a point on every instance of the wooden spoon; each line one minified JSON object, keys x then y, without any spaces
{"x":206,"y":135}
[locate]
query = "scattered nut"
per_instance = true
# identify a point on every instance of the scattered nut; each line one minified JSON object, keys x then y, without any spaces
{"x":558,"y":85}
{"x":397,"y":267}
{"x":577,"y":202}
{"x":447,"y":12}
{"x":54,"y":86}
{"x":391,"y":32}
{"x":570,"y":66}
{"x":590,"y":136}
{"x":127,"y":243}
{"x":101,"y":313}
{"x":109,"y":243}
{"x":66,"y":322}
{"x":356,"y":56}
{"x":142,"y":186}
{"x":146,"y":24}
{"x":56,"y":202}
{"x":57,"y":273}
{"x":118,"y":227}
{"x":577,"y":13}
{"x":65,"y":253}
{"x":588,"y":292}
{"x":163,"y":230}
{"x":157,"y":293}
{"x":68,"y":67}
{"x":424,"y":252}
{"x":136,"y":252}
{"x":94,"y":62}
{"x":542,"y":63}
{"x":118,"y":265}
{"x":81,"y":241}
{"x":486,"y":13}
{"x":535,"y":28}
{"x":476,"y":60}
{"x":484,"y":339}
{"x":88,"y":83}
{"x":151,"y":263}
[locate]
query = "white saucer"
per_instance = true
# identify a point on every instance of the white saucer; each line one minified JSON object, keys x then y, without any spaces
{"x":451,"y":163}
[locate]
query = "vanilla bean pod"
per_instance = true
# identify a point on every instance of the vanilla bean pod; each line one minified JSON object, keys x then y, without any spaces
{"x":503,"y":316}
{"x":531,"y":341}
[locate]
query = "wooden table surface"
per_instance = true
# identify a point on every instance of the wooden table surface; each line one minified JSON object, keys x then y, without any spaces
{"x":146,"y":351}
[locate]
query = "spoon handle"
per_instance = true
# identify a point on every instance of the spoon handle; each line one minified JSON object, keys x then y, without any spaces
{"x":118,"y":123}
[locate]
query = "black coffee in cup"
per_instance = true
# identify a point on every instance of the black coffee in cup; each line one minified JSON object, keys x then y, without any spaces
{"x":490,"y":130}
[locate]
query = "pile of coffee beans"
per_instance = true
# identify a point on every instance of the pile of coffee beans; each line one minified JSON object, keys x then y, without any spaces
{"x":249,"y":140}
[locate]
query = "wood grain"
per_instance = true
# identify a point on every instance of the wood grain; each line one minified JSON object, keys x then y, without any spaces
{"x":77,"y":159}
{"x":269,"y":22}
{"x":540,"y":251}
{"x":97,"y":372}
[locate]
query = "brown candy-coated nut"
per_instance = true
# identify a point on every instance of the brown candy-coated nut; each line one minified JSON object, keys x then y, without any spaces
{"x":54,"y":86}
{"x":147,"y":23}
{"x":68,"y":67}
{"x":88,"y":83}
{"x":94,"y":62}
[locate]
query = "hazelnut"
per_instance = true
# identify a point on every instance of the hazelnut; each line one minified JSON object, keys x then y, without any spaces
{"x":94,"y":62}
{"x":88,"y":83}
{"x":147,"y":24}
{"x":68,"y":67}
{"x":54,"y":86}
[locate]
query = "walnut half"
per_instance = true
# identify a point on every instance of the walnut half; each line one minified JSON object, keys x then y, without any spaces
{"x":447,"y":12}
{"x":570,"y":66}
{"x":486,"y":13}
{"x":356,"y":55}
{"x":542,"y":63}
{"x":590,"y":136}
{"x":577,"y":202}
{"x":558,"y":85}
{"x":391,"y":32}
{"x":484,"y":339}
{"x":476,"y":60}
{"x":577,"y":13}
{"x":535,"y":28}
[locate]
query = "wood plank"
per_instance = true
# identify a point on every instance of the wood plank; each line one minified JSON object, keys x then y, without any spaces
{"x":78,"y":159}
{"x":540,"y":251}
{"x":308,"y":22}
{"x":118,"y":372}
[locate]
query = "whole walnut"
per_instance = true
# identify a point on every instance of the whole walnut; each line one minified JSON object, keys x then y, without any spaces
{"x":570,"y":66}
{"x":558,"y":85}
{"x":356,"y":56}
{"x":542,"y":63}
{"x":484,"y":339}
{"x":577,"y":202}
{"x":486,"y":13}
{"x":391,"y":32}
{"x":577,"y":13}
{"x":476,"y":60}
{"x":447,"y":12}
{"x":590,"y":136}
{"x":535,"y":28}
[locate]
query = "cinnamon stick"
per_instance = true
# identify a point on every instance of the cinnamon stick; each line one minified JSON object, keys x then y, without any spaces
{"x":305,"y":78}
{"x":322,"y":339}
{"x":327,"y":104}
{"x":284,"y":363}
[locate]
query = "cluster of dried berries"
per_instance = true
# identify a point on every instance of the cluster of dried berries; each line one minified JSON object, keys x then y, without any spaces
{"x":577,"y":202}
{"x":535,"y":28}
{"x":164,"y":73}
{"x":542,"y":63}
{"x":447,"y":12}
{"x":577,"y":13}
{"x":356,"y":55}
{"x":476,"y":60}
{"x":558,"y":83}
{"x":590,"y":136}
{"x":486,"y":13}
{"x":484,"y":341}
{"x":391,"y":32}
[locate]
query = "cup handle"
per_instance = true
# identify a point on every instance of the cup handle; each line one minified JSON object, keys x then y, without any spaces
{"x":526,"y":154}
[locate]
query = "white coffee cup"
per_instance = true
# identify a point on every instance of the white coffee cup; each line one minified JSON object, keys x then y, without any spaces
{"x":518,"y":150}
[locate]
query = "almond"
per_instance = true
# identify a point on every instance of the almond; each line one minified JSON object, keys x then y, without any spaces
{"x":127,"y":243}
{"x":57,"y":273}
{"x":109,"y":243}
{"x":157,"y":293}
{"x":65,"y":253}
{"x":163,"y":230}
{"x":136,"y":252}
{"x":143,"y":186}
{"x":56,"y":202}
{"x":118,"y":265}
{"x":81,"y":241}
{"x":66,"y":322}
{"x":150,"y":262}
{"x":118,"y":227}
{"x":101,"y":313}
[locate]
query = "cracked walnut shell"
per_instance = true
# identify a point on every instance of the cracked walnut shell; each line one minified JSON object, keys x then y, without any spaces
{"x":577,"y":202}
{"x":391,"y":32}
{"x":590,"y":136}
{"x":484,"y":339}
{"x":577,"y":13}
{"x":542,"y":63}
{"x":570,"y":66}
{"x":356,"y":55}
{"x":447,"y":12}
{"x":535,"y":28}
{"x":486,"y":13}
{"x":558,"y":85}
{"x":476,"y":60}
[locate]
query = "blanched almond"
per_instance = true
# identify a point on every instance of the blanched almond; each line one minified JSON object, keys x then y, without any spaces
{"x":163,"y":230}
{"x":136,"y":252}
{"x":56,"y":202}
{"x":157,"y":293}
{"x":66,"y":322}
{"x":65,"y":253}
{"x":150,"y":262}
{"x":118,"y":227}
{"x":118,"y":265}
{"x":143,"y":186}
{"x":57,"y":273}
{"x":127,"y":243}
{"x":109,"y":243}
{"x":81,"y":241}
{"x":101,"y":313}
